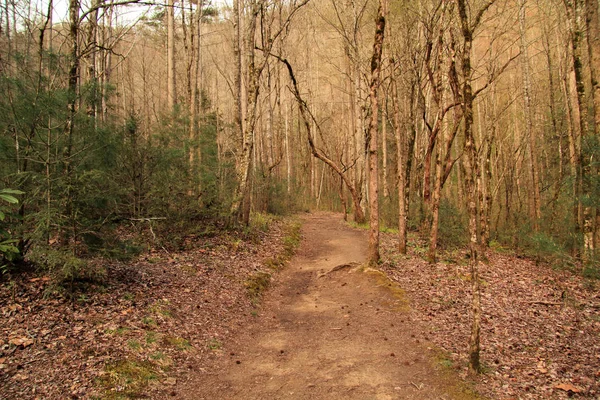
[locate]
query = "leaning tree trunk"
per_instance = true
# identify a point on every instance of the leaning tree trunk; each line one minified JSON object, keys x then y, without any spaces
{"x":307,"y":118}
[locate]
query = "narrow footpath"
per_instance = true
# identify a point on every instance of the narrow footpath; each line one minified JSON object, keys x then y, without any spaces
{"x":327,"y":329}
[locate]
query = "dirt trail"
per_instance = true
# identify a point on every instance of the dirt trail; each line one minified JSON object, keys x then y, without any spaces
{"x":323,"y":334}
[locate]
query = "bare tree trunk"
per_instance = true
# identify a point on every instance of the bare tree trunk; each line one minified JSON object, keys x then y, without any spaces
{"x":405,"y":147}
{"x":574,"y":163}
{"x":487,"y":195}
{"x":435,"y":204}
{"x":372,"y":138}
{"x":555,"y":130}
{"x":573,"y":8}
{"x":106,"y":62}
{"x":384,"y":161}
{"x":194,"y":148}
{"x":70,"y":126}
{"x":171,"y":70}
{"x":359,"y":138}
{"x":241,"y":170}
{"x":92,"y":108}
{"x":593,"y":40}
{"x":487,"y":189}
{"x":535,"y":213}
{"x":470,"y":164}
{"x":288,"y":158}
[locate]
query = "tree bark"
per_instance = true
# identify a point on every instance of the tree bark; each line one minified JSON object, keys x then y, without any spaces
{"x":70,"y":126}
{"x":171,"y":70}
{"x":384,"y":161}
{"x":536,"y":212}
{"x":405,"y":147}
{"x":593,"y":40}
{"x":573,"y":9}
{"x":471,"y":165}
{"x":372,"y":139}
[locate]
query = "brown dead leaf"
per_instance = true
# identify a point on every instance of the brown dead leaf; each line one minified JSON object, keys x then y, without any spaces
{"x":541,"y":367}
{"x":24,"y":341}
{"x":20,"y":377}
{"x":567,"y":387}
{"x":42,"y":279}
{"x":170,"y":381}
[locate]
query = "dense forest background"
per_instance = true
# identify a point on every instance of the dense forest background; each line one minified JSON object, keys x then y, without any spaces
{"x":476,"y":123}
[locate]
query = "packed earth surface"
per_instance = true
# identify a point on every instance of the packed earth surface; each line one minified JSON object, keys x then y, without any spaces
{"x":238,"y":316}
{"x":330,"y":329}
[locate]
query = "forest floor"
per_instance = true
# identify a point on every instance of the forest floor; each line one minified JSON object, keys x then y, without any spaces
{"x":540,"y":335}
{"x":150,"y":322}
{"x":198,"y":324}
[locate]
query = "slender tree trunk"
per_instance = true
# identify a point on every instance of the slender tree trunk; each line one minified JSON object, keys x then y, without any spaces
{"x":373,"y":133}
{"x":554,"y":119}
{"x":405,"y":146}
{"x":593,"y":40}
{"x":239,"y":91}
{"x":470,"y":164}
{"x":384,"y":161}
{"x":194,"y":106}
{"x":574,"y":163}
{"x":435,"y":205}
{"x":171,"y":68}
{"x":106,"y":63}
{"x":573,"y":8}
{"x":359,"y":138}
{"x":288,"y":157}
{"x":535,"y":213}
{"x":92,"y":27}
{"x":70,"y":126}
{"x":490,"y":137}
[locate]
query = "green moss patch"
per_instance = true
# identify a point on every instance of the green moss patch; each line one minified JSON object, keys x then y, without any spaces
{"x":127,"y":378}
{"x":256,"y":284}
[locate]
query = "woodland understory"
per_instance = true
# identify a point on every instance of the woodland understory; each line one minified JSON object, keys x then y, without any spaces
{"x":150,"y":321}
{"x":169,"y":314}
{"x":133,"y":131}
